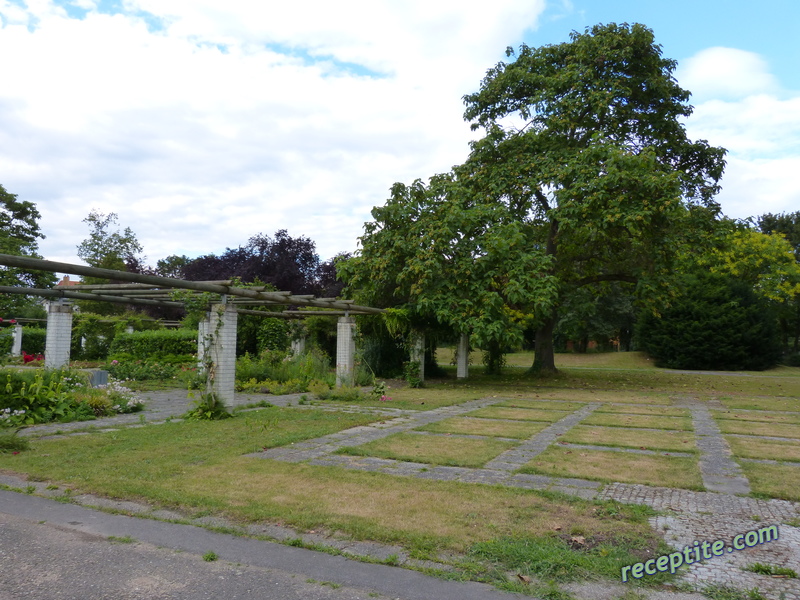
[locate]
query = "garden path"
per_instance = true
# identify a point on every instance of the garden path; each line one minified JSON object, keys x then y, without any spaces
{"x":720,"y":513}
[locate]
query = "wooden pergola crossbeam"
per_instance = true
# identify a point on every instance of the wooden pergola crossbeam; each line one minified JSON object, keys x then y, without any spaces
{"x":165,"y":283}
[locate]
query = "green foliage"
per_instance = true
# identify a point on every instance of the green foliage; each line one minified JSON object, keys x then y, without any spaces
{"x":6,"y":342}
{"x":19,"y":236}
{"x":557,"y":559}
{"x":208,"y":407}
{"x":273,"y":335}
{"x":141,"y":370}
{"x":585,"y":175}
{"x":715,"y":323}
{"x":11,"y":442}
{"x":107,"y":248}
{"x":155,"y":344}
{"x":33,"y":340}
{"x":274,"y":370}
{"x":771,"y":570}
{"x":41,"y":396}
{"x":411,"y":374}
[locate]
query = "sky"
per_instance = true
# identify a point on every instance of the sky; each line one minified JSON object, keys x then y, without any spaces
{"x":202,"y":123}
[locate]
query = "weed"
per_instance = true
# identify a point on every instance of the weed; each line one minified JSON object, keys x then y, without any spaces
{"x":210,"y":556}
{"x":726,"y":592}
{"x":763,"y":569}
{"x":11,"y":442}
{"x":121,"y":540}
{"x":392,"y":560}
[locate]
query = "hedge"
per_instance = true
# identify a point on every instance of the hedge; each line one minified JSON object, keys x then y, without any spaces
{"x":33,"y":340}
{"x":155,"y":344}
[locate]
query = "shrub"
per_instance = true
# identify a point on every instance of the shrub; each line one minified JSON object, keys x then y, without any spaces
{"x":717,"y":323}
{"x":140,"y":370}
{"x":279,"y":367}
{"x":6,"y":342}
{"x":793,"y":360}
{"x":155,"y":344}
{"x":33,"y":340}
{"x":11,"y":442}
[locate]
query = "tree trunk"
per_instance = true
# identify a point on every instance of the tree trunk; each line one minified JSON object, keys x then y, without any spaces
{"x":544,"y":357}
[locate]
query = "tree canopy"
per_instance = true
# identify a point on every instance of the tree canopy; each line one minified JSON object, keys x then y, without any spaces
{"x":19,"y":235}
{"x":585,"y":175}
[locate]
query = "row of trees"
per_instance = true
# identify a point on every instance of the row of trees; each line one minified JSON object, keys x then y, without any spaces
{"x":584,"y":187}
{"x":583,"y":208}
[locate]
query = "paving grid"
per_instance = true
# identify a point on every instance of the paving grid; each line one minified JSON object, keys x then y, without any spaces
{"x":691,"y":516}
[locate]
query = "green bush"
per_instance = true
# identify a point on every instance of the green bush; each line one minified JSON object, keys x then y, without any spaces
{"x":717,"y":323}
{"x":33,"y":340}
{"x":279,"y":367}
{"x":38,"y":396}
{"x":793,"y":360}
{"x":6,"y":342}
{"x":150,"y":345}
{"x":141,"y":370}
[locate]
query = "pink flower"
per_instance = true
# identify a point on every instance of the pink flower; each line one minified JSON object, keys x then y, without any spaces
{"x":385,"y":398}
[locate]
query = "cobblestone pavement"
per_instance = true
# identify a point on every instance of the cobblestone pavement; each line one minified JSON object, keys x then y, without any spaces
{"x":720,"y":513}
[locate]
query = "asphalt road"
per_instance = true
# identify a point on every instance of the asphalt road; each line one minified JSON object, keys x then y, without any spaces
{"x":51,"y":550}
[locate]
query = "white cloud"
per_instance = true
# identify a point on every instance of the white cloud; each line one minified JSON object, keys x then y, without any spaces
{"x":726,"y":73}
{"x":744,"y":110}
{"x":235,"y":117}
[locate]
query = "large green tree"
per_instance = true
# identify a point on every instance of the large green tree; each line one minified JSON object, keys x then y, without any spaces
{"x":585,"y":175}
{"x":19,"y":235}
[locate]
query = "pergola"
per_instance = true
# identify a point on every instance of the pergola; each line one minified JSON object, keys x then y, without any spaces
{"x":217,"y":333}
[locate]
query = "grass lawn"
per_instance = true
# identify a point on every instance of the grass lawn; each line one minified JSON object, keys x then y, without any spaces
{"x":626,"y":437}
{"x":759,"y":428}
{"x":762,"y":416}
{"x":778,"y":402}
{"x":521,"y":414}
{"x":433,"y":449}
{"x":600,"y":465}
{"x":632,"y":409}
{"x":647,"y":421}
{"x":542,"y":404}
{"x":490,"y":427}
{"x":746,"y":447}
{"x":774,"y":481}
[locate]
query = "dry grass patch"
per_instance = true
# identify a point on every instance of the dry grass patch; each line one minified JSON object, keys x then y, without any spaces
{"x":542,"y":404}
{"x":519,"y":414}
{"x":776,"y":481}
{"x":644,"y":439}
{"x":432,"y":449}
{"x":659,"y":411}
{"x":783,"y":403}
{"x":592,"y":395}
{"x":769,"y":449}
{"x":490,"y":427}
{"x":640,"y":421}
{"x":390,"y":509}
{"x":759,"y":428}
{"x":760,"y":416}
{"x":609,"y":466}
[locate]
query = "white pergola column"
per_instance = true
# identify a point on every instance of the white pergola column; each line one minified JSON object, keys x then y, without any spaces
{"x":202,"y":332}
{"x":59,"y":335}
{"x":298,"y":346}
{"x":16,"y":340}
{"x":462,"y":357}
{"x":418,"y":352}
{"x":220,"y":349}
{"x":345,"y":350}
